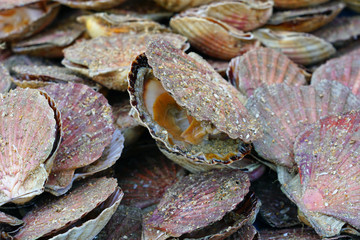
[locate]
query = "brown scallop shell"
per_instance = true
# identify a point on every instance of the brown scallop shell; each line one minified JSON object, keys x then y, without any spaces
{"x":213,"y":37}
{"x":263,"y":66}
{"x":179,"y":5}
{"x":65,"y":214}
{"x":247,"y":232}
{"x":50,"y":42}
{"x":329,"y":167}
{"x":305,"y":20}
{"x":107,"y":59}
{"x":285,"y":111}
{"x":341,"y":30}
{"x":91,"y":4}
{"x":5,"y":79}
{"x":106,"y":24}
{"x":88,"y":129}
{"x":302,"y":48}
{"x":345,"y":70}
{"x":291,"y":4}
{"x":25,"y":21}
{"x":207,"y":196}
{"x":30,"y":136}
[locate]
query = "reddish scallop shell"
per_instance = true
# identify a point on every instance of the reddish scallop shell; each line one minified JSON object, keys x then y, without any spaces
{"x":263,"y":66}
{"x":285,"y":111}
{"x":30,"y":135}
{"x":345,"y":70}
{"x":67,"y":215}
{"x":195,"y":202}
{"x":8,"y":219}
{"x":88,"y":129}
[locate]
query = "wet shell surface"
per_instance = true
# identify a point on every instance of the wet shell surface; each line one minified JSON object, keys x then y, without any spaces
{"x":340,"y":30}
{"x":91,"y":4}
{"x":5,"y":79}
{"x":88,"y":129}
{"x":263,"y":66}
{"x":53,"y":215}
{"x":305,"y":20}
{"x":107,"y":59}
{"x":286,"y":111}
{"x":213,"y":37}
{"x":329,"y":167}
{"x":291,"y":4}
{"x":345,"y":70}
{"x":29,"y":136}
{"x":179,"y":5}
{"x":25,"y":21}
{"x":302,"y":48}
{"x":50,"y":42}
{"x":107,"y":24}
{"x":208,"y":196}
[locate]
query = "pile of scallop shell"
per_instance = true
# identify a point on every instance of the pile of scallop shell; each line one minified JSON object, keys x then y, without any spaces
{"x":179,"y":119}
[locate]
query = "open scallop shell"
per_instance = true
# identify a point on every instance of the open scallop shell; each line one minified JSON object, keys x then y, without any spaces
{"x":106,"y":24}
{"x":107,"y":59}
{"x":81,"y":214}
{"x":189,"y":109}
{"x":5,"y":79}
{"x":30,"y":136}
{"x":50,"y":42}
{"x":341,"y":30}
{"x":88,"y":129}
{"x":302,"y":48}
{"x":305,"y":20}
{"x":208,"y":196}
{"x":285,"y":111}
{"x":25,"y":21}
{"x":179,"y":5}
{"x":345,"y":70}
{"x":263,"y":66}
{"x":297,"y":3}
{"x":213,"y":37}
{"x":91,"y":4}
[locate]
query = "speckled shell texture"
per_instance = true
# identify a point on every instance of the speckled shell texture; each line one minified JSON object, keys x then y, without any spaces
{"x":345,"y":70}
{"x":213,"y":37}
{"x":285,"y":112}
{"x":179,"y":5}
{"x":329,"y":167}
{"x":305,"y":20}
{"x":209,"y":196}
{"x":88,"y":129}
{"x":297,"y":3}
{"x":112,"y":56}
{"x":91,"y":4}
{"x":302,"y":48}
{"x":263,"y":66}
{"x":29,"y":135}
{"x":48,"y":217}
{"x":340,"y":30}
{"x":26,"y":21}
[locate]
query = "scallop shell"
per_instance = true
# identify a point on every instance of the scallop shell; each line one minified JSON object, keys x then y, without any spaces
{"x":243,"y":15}
{"x":61,"y":214}
{"x":263,"y":66}
{"x":50,"y":42}
{"x":8,"y":219}
{"x":297,"y":3}
{"x":213,"y":37}
{"x":302,"y":48}
{"x":305,"y":20}
{"x":91,"y":4}
{"x":145,"y":182}
{"x":35,"y":76}
{"x":219,"y":65}
{"x":196,"y":138}
{"x":30,"y":136}
{"x":106,"y":24}
{"x":179,"y":5}
{"x":285,"y":111}
{"x":207,"y":196}
{"x":340,"y":30}
{"x":329,"y":167}
{"x":25,"y":21}
{"x":88,"y":129}
{"x":10,"y":4}
{"x":107,"y":59}
{"x":247,"y":232}
{"x":345,"y":70}
{"x":5,"y":79}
